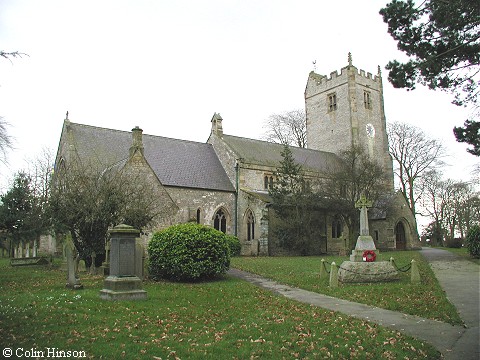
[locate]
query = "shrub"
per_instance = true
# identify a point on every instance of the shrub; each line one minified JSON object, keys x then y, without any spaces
{"x":234,"y":245}
{"x":472,"y":242}
{"x":453,"y":243}
{"x":188,"y":252}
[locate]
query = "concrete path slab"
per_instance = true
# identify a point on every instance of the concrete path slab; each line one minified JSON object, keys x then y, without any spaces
{"x":454,"y":342}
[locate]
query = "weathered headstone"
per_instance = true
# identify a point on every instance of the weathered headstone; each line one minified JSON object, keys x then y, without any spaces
{"x":106,"y":263}
{"x":35,"y":248}
{"x":93,"y":268}
{"x":139,"y":258}
{"x":123,"y":283}
{"x":73,"y":282}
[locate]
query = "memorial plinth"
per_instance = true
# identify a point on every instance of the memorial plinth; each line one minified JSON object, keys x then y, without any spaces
{"x":122,"y":283}
{"x":363,"y":267}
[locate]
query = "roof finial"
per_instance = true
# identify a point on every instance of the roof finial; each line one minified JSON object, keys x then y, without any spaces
{"x":379,"y":70}
{"x":314,"y":62}
{"x":66,"y":116}
{"x":349,"y":59}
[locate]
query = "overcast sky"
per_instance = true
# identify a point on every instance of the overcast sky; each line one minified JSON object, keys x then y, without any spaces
{"x":167,"y":66}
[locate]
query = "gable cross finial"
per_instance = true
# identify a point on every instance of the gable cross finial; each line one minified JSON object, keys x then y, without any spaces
{"x":349,"y":59}
{"x":66,"y":116}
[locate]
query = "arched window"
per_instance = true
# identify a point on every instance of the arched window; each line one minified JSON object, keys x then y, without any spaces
{"x":198,"y":216}
{"x":250,"y":225}
{"x":337,"y":228}
{"x":265,"y":182}
{"x":220,"y":221}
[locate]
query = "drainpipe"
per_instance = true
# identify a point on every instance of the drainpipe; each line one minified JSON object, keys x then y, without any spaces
{"x":237,"y":169}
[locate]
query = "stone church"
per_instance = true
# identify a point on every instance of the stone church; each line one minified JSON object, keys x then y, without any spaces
{"x":224,"y":182}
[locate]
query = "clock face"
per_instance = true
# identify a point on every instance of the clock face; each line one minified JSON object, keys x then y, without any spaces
{"x":370,"y":130}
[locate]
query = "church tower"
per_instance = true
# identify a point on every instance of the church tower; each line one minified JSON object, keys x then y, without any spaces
{"x":347,"y":109}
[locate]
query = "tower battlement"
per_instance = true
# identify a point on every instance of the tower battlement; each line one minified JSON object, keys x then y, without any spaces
{"x":318,"y":82}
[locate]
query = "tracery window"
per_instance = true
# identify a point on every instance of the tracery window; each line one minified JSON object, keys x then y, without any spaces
{"x":220,"y":221}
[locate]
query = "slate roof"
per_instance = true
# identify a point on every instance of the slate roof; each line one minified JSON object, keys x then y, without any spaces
{"x":176,"y":162}
{"x":267,"y":153}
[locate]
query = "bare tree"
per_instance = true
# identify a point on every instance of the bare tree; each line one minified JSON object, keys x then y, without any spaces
{"x":415,"y":154}
{"x":452,"y":205}
{"x":86,"y":200}
{"x":287,"y":128}
{"x":12,"y":54}
{"x":355,"y":174}
{"x":6,"y":141}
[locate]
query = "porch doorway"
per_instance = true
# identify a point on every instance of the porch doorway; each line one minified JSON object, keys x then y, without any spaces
{"x":400,"y":238}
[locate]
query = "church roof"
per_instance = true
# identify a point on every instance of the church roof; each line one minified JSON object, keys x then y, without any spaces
{"x":268,"y":153}
{"x":176,"y":162}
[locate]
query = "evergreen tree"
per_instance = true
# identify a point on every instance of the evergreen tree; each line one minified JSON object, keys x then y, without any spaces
{"x":294,"y":204}
{"x":17,"y":212}
{"x":443,"y":42}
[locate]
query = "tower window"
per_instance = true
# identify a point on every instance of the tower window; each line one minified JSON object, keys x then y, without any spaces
{"x":367,"y":101}
{"x":332,"y":102}
{"x":198,"y":216}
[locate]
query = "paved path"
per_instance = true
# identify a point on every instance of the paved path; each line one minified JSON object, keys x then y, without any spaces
{"x":461,"y":286}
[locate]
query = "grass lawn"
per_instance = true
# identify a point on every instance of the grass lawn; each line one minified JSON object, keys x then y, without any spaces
{"x":463,"y":252}
{"x":426,"y":299}
{"x":224,"y":319}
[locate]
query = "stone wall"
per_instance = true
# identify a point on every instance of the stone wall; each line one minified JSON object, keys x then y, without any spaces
{"x":209,"y":202}
{"x":138,"y":169}
{"x":383,"y":231}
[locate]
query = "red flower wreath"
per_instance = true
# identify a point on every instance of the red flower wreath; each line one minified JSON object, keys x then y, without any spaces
{"x":369,"y":256}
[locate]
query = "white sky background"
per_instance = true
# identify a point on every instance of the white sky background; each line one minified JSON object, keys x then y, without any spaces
{"x":167,"y":66}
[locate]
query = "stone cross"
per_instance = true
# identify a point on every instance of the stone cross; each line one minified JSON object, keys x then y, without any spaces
{"x":363,"y":204}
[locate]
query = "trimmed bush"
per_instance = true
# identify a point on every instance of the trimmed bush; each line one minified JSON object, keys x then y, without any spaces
{"x":188,"y":252}
{"x":472,"y":242}
{"x":454,"y":243}
{"x":234,"y":245}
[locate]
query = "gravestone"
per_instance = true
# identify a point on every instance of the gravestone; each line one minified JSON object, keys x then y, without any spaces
{"x":358,"y":269}
{"x":106,"y":263}
{"x":123,"y":283}
{"x":73,"y":282}
{"x":139,"y":258}
{"x":93,"y":267}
